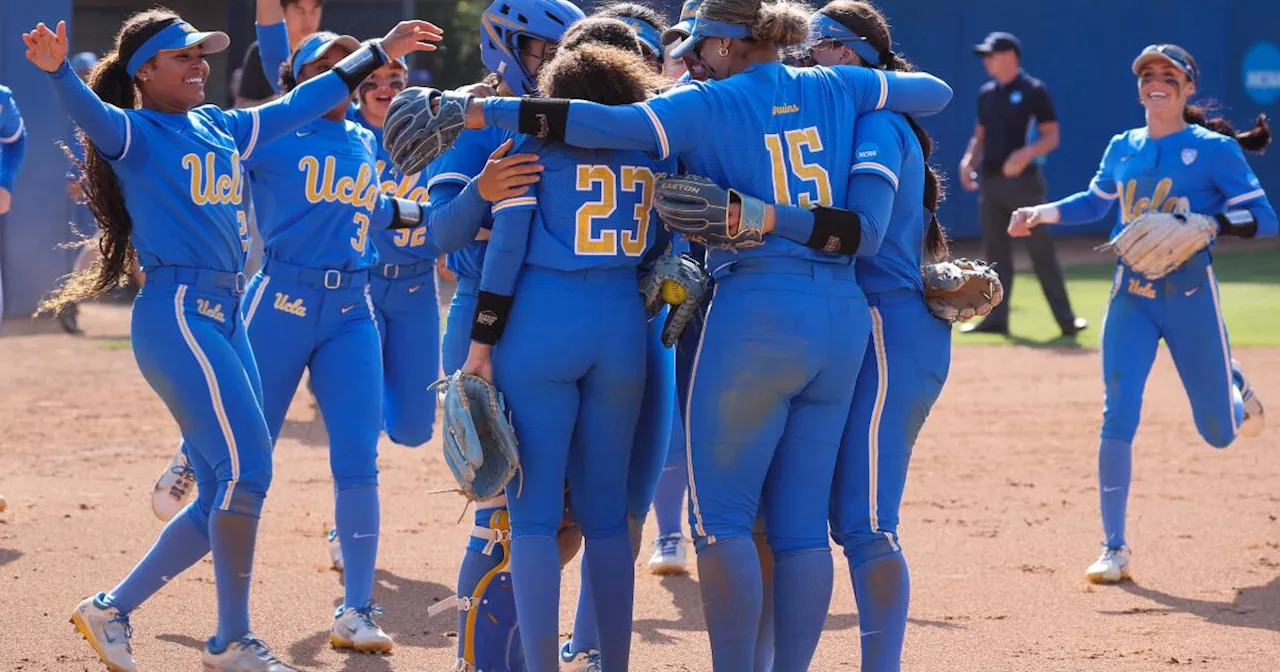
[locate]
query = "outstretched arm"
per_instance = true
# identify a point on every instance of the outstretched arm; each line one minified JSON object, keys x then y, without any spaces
{"x":105,"y":124}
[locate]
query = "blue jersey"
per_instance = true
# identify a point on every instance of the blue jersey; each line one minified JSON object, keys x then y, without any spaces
{"x":888,"y":148}
{"x":783,"y":134}
{"x":397,"y":246}
{"x":317,"y":196}
{"x":454,"y":169}
{"x":12,"y":139}
{"x":1195,"y":168}
{"x":591,"y":209}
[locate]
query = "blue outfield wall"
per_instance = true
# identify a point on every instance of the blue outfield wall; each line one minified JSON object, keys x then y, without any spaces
{"x":1081,"y":48}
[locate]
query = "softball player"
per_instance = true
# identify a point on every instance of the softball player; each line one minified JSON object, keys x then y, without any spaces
{"x":13,"y":148}
{"x":574,"y":385}
{"x":1179,"y":161}
{"x":774,"y":350}
{"x":164,"y":181}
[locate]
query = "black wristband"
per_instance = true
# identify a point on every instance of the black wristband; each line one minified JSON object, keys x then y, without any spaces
{"x":491,"y":317}
{"x":835,"y":231}
{"x":360,"y":64}
{"x":406,"y":214}
{"x":1239,"y":223}
{"x":546,"y":118}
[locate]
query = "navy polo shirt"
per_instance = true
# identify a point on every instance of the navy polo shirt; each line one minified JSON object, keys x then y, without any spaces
{"x":1009,"y":114}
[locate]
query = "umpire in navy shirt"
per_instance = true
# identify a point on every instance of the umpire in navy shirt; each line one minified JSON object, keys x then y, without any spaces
{"x":1016,"y":129}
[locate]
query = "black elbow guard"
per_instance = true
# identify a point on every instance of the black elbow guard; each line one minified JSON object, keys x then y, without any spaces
{"x":490,"y":320}
{"x":1240,"y":223}
{"x":835,"y":231}
{"x":406,"y":213}
{"x":360,"y":64}
{"x":545,"y":118}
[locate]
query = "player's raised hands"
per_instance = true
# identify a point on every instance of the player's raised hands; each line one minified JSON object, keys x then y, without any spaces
{"x":410,"y":36}
{"x":45,"y":48}
{"x":507,"y":176}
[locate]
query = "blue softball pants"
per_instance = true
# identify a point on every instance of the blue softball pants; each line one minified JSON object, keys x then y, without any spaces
{"x":770,"y":390}
{"x":457,"y":327}
{"x":902,"y":374}
{"x":407,"y":305}
{"x":572,"y":367}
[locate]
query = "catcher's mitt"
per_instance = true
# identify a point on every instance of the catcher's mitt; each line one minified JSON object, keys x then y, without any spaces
{"x":479,"y":442}
{"x":961,"y":289}
{"x":414,"y":134}
{"x":688,"y":284}
{"x":1157,"y":243}
{"x":699,"y":208}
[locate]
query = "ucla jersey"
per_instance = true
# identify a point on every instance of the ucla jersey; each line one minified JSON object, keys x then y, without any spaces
{"x":1195,"y":168}
{"x":592,"y":208}
{"x":397,"y":246}
{"x":786,"y":135}
{"x":183,"y":186}
{"x":316,"y":192}
{"x":10,"y":119}
{"x":887,"y":147}
{"x":457,"y":166}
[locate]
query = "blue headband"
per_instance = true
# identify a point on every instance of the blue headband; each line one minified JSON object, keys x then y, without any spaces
{"x":823,"y":27}
{"x":647,"y":34}
{"x":180,"y":35}
{"x":317,"y":44}
{"x":704,"y":28}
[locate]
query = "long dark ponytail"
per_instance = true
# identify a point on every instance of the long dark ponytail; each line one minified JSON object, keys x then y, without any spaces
{"x":865,"y":20}
{"x":1255,"y":139}
{"x":110,"y":80}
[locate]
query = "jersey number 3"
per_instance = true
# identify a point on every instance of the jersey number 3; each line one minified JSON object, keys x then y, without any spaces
{"x":786,"y":154}
{"x":587,"y":240}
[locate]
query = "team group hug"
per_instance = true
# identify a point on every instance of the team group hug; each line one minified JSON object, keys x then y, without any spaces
{"x":699,"y":268}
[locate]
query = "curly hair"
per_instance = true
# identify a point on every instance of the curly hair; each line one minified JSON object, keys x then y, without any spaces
{"x":599,"y":60}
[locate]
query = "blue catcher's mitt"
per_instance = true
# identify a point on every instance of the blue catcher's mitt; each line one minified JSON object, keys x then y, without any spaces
{"x":677,"y":280}
{"x":414,"y":133}
{"x":479,"y":442}
{"x":699,"y":208}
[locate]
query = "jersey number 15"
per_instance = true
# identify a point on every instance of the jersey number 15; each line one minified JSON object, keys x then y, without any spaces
{"x":786,"y":154}
{"x":589,"y":241}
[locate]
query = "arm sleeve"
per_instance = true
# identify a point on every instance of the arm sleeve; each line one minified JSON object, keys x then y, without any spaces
{"x":1240,"y":186}
{"x":455,"y":216}
{"x":916,"y":93}
{"x":254,"y":126}
{"x":253,"y":85}
{"x":1044,"y":112}
{"x":653,"y":126}
{"x":1094,"y":203}
{"x":11,"y":155}
{"x":273,"y":51}
{"x":507,"y":245}
{"x":106,"y":125}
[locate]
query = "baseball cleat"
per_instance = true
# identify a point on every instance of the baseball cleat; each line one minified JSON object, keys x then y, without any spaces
{"x":248,"y":654}
{"x":174,"y":487}
{"x":1110,"y":567}
{"x":582,"y":661}
{"x":335,"y":551}
{"x":355,"y":629}
{"x":107,"y":631}
{"x":669,"y":555}
{"x":1253,"y":421}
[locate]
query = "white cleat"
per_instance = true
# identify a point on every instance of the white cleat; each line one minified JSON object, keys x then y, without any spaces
{"x":108,"y":632}
{"x":335,"y":551}
{"x":174,"y":487}
{"x":248,"y":654}
{"x":1254,"y":420}
{"x":669,"y":555}
{"x":355,"y":629}
{"x":1110,"y":567}
{"x":582,"y":661}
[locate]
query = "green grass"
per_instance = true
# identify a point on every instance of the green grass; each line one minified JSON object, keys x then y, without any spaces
{"x":1250,"y":283}
{"x":116,"y":344}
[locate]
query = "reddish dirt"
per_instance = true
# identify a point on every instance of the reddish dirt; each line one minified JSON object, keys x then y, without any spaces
{"x":1000,"y":519}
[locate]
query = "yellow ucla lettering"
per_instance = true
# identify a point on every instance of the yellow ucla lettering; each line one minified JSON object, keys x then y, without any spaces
{"x":294,"y":307}
{"x":361,"y":191}
{"x":1139,"y":288}
{"x":1158,"y":202}
{"x":209,"y":188}
{"x":212,"y":311}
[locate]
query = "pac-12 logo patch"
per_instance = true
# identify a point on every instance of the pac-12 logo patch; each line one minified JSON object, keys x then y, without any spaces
{"x":1189,"y":156}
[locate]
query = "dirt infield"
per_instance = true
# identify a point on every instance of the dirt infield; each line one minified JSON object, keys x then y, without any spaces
{"x":1000,"y":519}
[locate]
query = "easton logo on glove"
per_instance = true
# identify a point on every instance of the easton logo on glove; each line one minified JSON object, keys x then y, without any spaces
{"x":480,"y":444}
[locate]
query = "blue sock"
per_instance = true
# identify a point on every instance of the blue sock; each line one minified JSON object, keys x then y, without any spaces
{"x":1115,"y":468}
{"x":882,"y":588}
{"x":764,"y":635}
{"x":232,"y":537}
{"x":613,"y":565}
{"x":357,"y":514}
{"x":535,"y":571}
{"x":668,"y":499}
{"x":801,"y":598}
{"x":729,"y":575}
{"x":586,"y":634}
{"x":181,"y":544}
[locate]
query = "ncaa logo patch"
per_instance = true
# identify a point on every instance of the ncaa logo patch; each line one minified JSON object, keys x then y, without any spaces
{"x":866,"y":152}
{"x":1189,"y":156}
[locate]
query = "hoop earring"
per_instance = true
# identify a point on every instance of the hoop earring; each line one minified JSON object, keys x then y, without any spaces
{"x":724,"y":51}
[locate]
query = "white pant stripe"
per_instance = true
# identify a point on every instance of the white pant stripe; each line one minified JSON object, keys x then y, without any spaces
{"x":1226,"y":347}
{"x":257,"y":298}
{"x":873,"y":428}
{"x":698,"y":527}
{"x":214,"y":394}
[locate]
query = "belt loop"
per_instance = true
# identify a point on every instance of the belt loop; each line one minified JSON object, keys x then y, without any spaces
{"x":390,"y":271}
{"x":241,"y":284}
{"x":332,"y":279}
